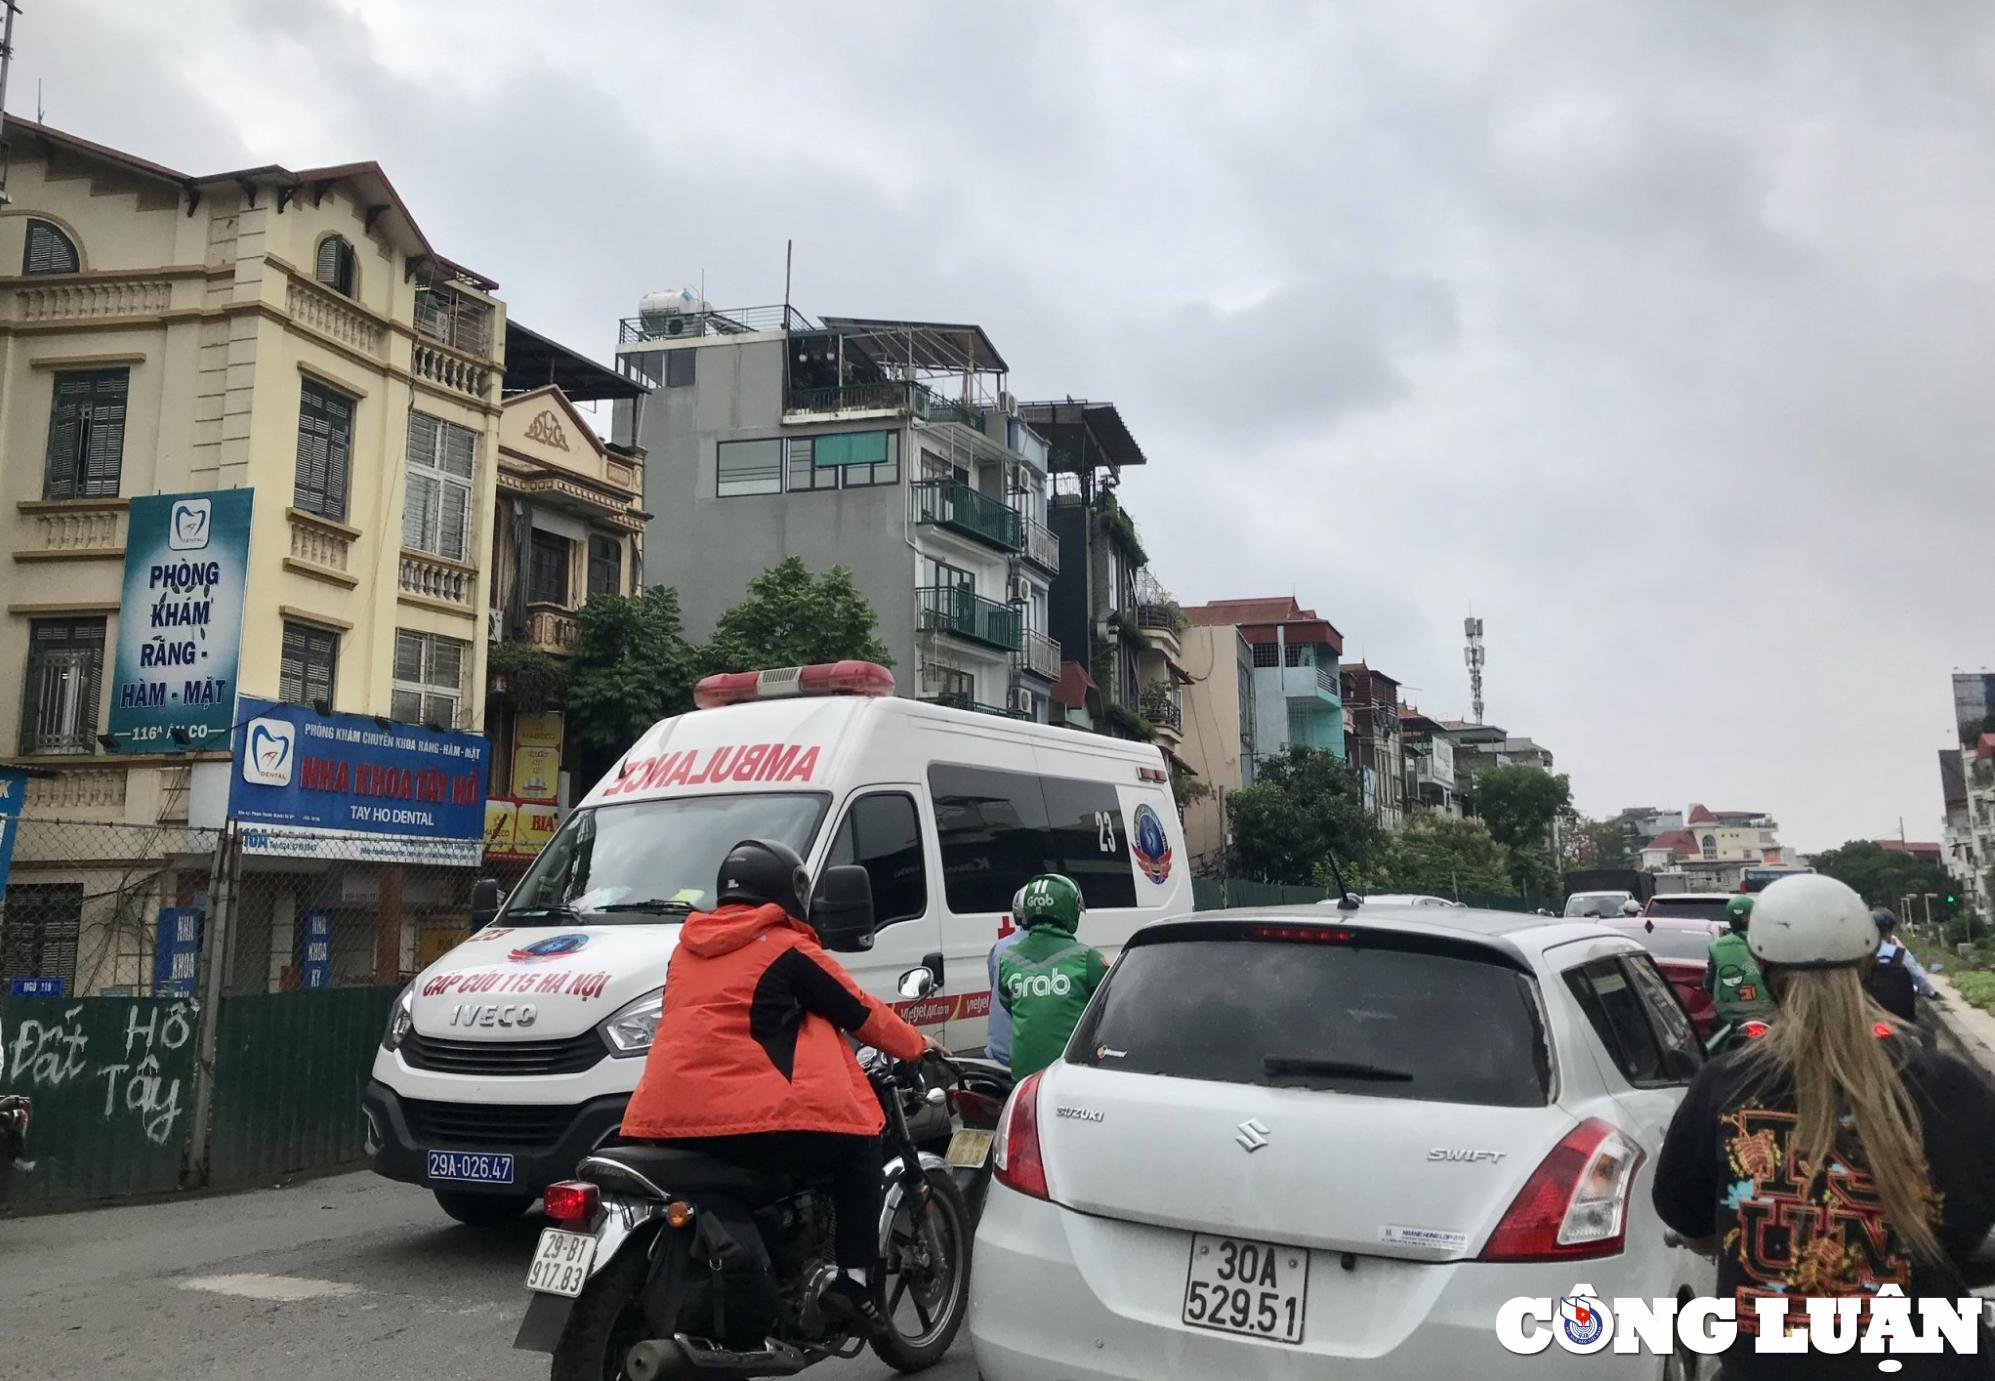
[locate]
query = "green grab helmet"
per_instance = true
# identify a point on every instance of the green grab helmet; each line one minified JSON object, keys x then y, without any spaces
{"x":1051,"y":899}
{"x":1739,"y":913}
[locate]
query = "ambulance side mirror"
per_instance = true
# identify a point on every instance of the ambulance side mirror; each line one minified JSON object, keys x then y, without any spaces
{"x":841,"y":909}
{"x":485,"y":900}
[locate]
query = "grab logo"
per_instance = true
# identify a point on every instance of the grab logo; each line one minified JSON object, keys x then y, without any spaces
{"x":1039,"y":985}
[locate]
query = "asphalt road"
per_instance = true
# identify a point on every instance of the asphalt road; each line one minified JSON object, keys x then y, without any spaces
{"x":343,"y":1279}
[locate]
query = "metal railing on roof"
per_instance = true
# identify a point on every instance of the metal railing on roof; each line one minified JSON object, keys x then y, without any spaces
{"x":892,"y":395}
{"x":734,"y":321}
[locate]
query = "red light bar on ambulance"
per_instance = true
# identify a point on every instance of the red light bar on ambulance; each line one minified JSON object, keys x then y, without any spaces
{"x":782,"y":683}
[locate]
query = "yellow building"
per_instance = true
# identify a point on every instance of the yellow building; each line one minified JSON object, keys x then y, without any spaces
{"x":288,"y":332}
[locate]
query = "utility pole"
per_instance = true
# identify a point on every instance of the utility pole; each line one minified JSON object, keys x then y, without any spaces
{"x":6,"y":61}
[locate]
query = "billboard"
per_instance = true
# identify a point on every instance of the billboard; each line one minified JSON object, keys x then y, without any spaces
{"x":180,"y":620}
{"x":307,"y":785}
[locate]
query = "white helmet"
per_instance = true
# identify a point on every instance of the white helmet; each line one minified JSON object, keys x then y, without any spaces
{"x":1811,"y":921}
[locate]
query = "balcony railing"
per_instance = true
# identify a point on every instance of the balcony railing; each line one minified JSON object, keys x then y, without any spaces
{"x":891,"y":396}
{"x":950,"y":609}
{"x":334,"y":316}
{"x":448,"y":369}
{"x":318,"y":542}
{"x":434,"y":578}
{"x":1042,"y":547}
{"x":82,"y":527}
{"x":1040,"y":655}
{"x":1162,"y":708}
{"x":113,"y":297}
{"x":551,"y":629}
{"x":964,"y":702}
{"x":962,"y":509}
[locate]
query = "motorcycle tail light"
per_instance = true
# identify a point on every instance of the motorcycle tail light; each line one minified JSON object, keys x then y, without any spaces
{"x":572,"y":1201}
{"x":978,"y":1110}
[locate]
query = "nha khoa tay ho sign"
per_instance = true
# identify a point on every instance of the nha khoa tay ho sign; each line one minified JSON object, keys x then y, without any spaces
{"x":180,"y":620}
{"x":306,"y":785}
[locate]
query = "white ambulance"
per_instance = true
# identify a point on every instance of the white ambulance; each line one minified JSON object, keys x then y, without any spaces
{"x":512,"y":1056}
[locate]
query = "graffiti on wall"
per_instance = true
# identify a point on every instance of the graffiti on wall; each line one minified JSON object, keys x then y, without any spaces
{"x":137,"y":1070}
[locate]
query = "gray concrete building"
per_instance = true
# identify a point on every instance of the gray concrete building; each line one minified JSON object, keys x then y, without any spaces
{"x":888,"y":447}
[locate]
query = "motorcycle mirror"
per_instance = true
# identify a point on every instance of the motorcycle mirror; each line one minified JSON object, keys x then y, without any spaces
{"x":841,"y":908}
{"x":917,"y":982}
{"x":485,"y":902}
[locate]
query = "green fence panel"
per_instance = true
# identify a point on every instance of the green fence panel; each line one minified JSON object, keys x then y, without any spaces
{"x":289,"y":1070}
{"x":1207,"y":894}
{"x":112,"y":1084}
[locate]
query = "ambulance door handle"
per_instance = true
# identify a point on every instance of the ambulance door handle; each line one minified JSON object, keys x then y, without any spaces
{"x":933,"y":963}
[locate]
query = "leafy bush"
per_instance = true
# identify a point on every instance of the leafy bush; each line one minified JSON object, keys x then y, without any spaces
{"x":1977,"y":986}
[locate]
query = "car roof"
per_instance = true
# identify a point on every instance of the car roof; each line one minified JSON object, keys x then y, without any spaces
{"x":1521,"y":935}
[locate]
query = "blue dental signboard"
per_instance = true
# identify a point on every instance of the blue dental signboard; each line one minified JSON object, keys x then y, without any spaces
{"x":340,"y":786}
{"x":176,"y":951}
{"x":180,"y":621}
{"x":13,"y":787}
{"x":315,"y":949}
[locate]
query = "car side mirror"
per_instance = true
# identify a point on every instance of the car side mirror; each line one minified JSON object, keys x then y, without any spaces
{"x":917,"y":983}
{"x":485,"y":902}
{"x":841,"y":909}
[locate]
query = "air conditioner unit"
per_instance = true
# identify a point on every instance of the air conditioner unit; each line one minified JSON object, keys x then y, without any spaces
{"x":1021,"y":700}
{"x":1008,"y":404}
{"x":1021,"y":588}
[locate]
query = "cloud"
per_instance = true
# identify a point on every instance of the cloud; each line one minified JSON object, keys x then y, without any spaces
{"x":1655,"y":331}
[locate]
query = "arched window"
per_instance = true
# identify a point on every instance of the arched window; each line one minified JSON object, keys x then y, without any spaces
{"x":48,"y":250}
{"x":1710,"y":842}
{"x":335,"y":267}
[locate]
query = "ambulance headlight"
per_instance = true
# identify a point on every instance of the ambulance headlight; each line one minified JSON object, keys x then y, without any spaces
{"x":401,"y":1017}
{"x":631,"y":1029}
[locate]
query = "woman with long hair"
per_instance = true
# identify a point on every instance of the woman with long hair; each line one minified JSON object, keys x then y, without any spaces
{"x":1836,"y":1154}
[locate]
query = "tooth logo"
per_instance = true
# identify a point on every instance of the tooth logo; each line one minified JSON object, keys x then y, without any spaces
{"x":272,"y":752}
{"x":188,"y":530}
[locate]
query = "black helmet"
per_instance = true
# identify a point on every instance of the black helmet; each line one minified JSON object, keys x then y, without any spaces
{"x":1886,"y":922}
{"x":761,"y":872}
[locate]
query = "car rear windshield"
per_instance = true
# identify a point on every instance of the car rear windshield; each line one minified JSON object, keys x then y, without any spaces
{"x":1671,"y":942}
{"x":1702,"y":908}
{"x":1378,"y":1018}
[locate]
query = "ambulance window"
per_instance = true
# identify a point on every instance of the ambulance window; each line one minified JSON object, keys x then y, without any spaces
{"x":882,"y":833}
{"x":999,"y":829}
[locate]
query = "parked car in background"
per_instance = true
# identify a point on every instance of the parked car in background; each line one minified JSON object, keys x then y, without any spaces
{"x":1295,"y":1143}
{"x":1681,"y":945}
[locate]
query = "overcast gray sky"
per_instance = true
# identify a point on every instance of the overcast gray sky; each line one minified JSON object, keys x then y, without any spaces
{"x":1661,"y":333}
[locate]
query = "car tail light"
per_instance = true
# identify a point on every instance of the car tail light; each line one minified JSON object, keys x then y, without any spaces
{"x":572,"y":1201}
{"x":1754,"y":1030}
{"x":1017,"y":1160}
{"x":1576,"y":1202}
{"x":781,"y":683}
{"x":976,"y":1109}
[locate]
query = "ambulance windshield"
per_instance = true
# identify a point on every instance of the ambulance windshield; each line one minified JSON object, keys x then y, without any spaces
{"x":650,"y":860}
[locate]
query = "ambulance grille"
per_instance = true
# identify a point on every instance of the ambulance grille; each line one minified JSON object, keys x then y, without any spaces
{"x":503,"y":1058}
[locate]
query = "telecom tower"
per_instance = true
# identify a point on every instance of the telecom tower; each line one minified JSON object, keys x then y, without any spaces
{"x":1472,"y":654}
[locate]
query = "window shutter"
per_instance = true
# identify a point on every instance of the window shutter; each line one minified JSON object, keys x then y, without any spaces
{"x":419,"y":512}
{"x":339,"y":443}
{"x":458,"y":451}
{"x":62,"y":477}
{"x":422,"y":440}
{"x":446,"y":669}
{"x":105,"y":445}
{"x":454,"y":520}
{"x":408,"y":656}
{"x":291,"y":666}
{"x":48,"y":250}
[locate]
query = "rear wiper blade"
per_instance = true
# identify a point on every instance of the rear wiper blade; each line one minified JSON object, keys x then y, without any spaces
{"x":1345,"y":1069}
{"x":657,"y":906}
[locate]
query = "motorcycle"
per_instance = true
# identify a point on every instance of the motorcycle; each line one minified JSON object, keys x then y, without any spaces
{"x":664,"y":1263}
{"x":15,"y":1111}
{"x":976,"y":1091}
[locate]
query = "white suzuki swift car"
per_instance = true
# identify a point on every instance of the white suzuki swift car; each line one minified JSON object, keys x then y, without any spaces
{"x":1300,"y":1144}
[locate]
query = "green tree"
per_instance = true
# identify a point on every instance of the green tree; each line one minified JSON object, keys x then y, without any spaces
{"x":1585,"y":843}
{"x":1443,"y":854}
{"x":1884,"y":877}
{"x":1519,"y":804}
{"x":1304,"y":804}
{"x":792,"y":618}
{"x":630,"y":667}
{"x":531,"y":679}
